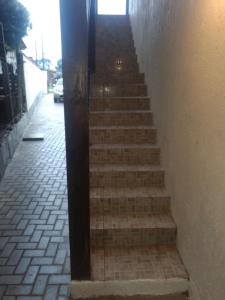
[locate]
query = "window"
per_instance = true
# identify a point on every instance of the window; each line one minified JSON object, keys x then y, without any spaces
{"x":112,"y":7}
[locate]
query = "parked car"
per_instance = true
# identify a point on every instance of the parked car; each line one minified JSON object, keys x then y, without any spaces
{"x":58,"y":91}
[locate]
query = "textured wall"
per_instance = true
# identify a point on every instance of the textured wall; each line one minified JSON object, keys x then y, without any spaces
{"x":35,"y":82}
{"x":181,"y":48}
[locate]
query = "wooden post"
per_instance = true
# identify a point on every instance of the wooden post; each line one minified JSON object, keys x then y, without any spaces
{"x":74,"y":26}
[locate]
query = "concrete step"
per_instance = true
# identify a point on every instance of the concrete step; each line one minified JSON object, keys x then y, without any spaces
{"x":119,"y":90}
{"x":119,"y":103}
{"x":129,"y":201}
{"x":124,"y":154}
{"x":121,"y":118}
{"x":126,"y":176}
{"x":132,"y":230}
{"x":122,"y":135}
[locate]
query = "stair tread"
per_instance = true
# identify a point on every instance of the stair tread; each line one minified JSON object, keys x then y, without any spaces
{"x":132,"y":221}
{"x":123,"y":127}
{"x":134,"y":263}
{"x":124,"y":146}
{"x":116,"y":112}
{"x":123,"y":168}
{"x":121,"y":97}
{"x":128,"y":192}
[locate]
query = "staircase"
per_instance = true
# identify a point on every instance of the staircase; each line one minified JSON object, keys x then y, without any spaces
{"x":133,"y":235}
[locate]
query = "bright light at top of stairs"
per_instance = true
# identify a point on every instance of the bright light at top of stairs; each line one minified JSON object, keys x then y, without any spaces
{"x":111,"y":7}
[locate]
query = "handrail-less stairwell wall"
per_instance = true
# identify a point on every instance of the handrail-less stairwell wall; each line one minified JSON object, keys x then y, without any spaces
{"x":181,"y":48}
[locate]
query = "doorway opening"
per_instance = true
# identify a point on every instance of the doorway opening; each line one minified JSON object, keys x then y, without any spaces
{"x":112,"y":7}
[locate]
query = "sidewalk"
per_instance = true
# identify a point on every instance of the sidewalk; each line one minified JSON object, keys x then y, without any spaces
{"x":34,"y":255}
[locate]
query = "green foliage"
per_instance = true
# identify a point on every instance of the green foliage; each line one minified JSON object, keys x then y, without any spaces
{"x":15,"y":19}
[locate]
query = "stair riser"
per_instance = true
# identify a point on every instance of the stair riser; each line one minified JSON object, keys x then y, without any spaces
{"x":118,"y":78}
{"x":127,"y":179}
{"x":119,"y":104}
{"x":122,"y":136}
{"x":111,"y":119}
{"x":126,"y":58}
{"x":129,"y":206}
{"x":125,"y":156}
{"x":107,"y":68}
{"x":132,"y":237}
{"x":119,"y":91}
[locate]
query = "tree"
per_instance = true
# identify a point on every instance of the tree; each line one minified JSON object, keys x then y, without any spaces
{"x":15,"y":19}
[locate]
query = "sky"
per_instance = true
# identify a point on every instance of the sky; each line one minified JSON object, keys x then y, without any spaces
{"x":112,"y":7}
{"x":45,"y":21}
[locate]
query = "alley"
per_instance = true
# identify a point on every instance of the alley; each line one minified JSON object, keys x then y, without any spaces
{"x":34,"y":252}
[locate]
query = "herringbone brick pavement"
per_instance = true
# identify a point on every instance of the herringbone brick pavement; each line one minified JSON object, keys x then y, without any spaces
{"x":34,"y":246}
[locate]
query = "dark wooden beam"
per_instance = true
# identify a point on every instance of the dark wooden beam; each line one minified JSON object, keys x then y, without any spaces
{"x":74,"y":26}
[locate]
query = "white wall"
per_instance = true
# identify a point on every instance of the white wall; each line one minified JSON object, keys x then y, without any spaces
{"x":35,"y":81}
{"x":181,"y":48}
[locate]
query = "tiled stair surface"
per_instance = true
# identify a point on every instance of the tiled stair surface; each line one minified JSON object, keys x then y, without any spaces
{"x":133,"y":234}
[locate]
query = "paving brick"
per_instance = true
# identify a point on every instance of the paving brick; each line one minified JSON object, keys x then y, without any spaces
{"x":8,"y":250}
{"x":40,"y":285}
{"x":43,"y":244}
{"x":57,"y":239}
{"x":42,"y":261}
{"x":59,"y":225}
{"x":66,"y":269}
{"x":26,"y":245}
{"x":29,"y":230}
{"x":3,"y":241}
{"x":52,"y":248}
{"x":19,"y":239}
{"x":34,"y":253}
{"x":22,"y":224}
{"x":64,"y":290}
{"x":60,"y":257}
{"x":52,"y":219}
{"x":31,"y":275}
{"x":52,"y":233}
{"x":6,"y":270}
{"x":50,"y":269}
{"x":2,"y":289}
{"x":10,"y":279}
{"x":14,"y":258}
{"x":51,"y":292}
{"x":38,"y":210}
{"x":3,"y":261}
{"x":59,"y":279}
{"x":36,"y":236}
{"x":29,"y":298}
{"x":23,"y":265}
{"x":19,"y":290}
